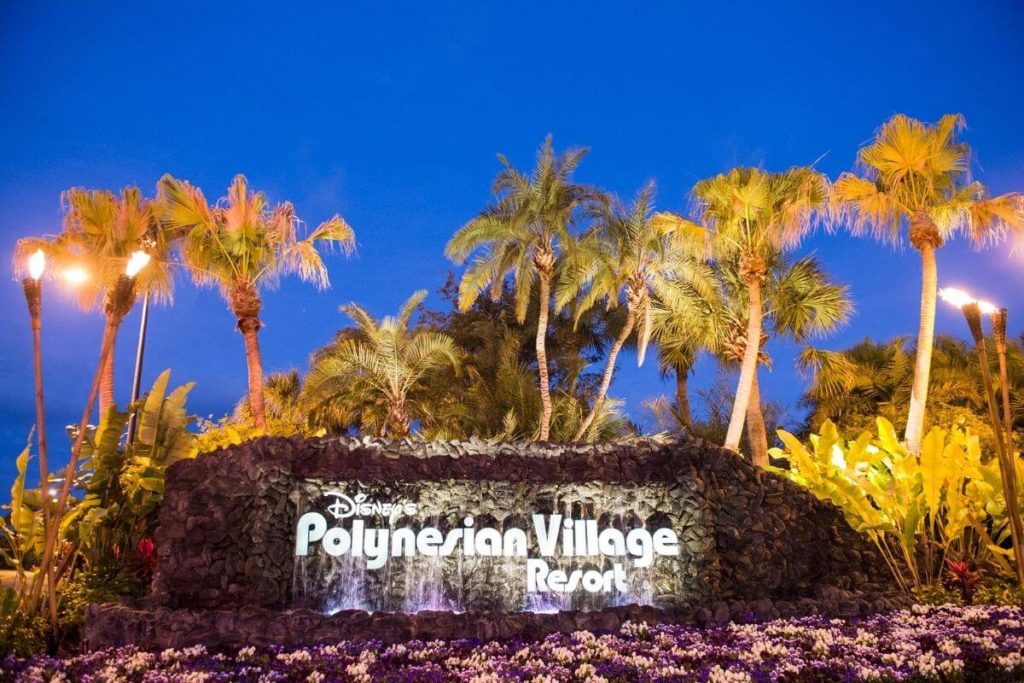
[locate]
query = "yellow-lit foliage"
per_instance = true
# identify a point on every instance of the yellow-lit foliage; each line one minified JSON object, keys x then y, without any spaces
{"x":918,"y":511}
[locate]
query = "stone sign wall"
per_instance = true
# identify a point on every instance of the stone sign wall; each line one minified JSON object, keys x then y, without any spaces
{"x":750,"y":542}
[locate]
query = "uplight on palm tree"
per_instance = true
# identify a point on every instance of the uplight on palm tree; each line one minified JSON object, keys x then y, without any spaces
{"x":753,"y":214}
{"x":631,"y":255}
{"x":523,"y":233}
{"x":241,"y":244}
{"x":914,"y":178}
{"x":378,"y":369}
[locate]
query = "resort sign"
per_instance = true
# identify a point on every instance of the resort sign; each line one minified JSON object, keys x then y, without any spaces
{"x":555,"y":552}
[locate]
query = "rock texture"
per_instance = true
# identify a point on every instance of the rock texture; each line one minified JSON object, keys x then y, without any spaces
{"x":225,"y":541}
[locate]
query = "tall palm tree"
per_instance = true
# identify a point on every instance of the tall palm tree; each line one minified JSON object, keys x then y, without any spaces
{"x":523,"y":233}
{"x":914,"y":177}
{"x":630,"y":255}
{"x":101,"y":230}
{"x":801,"y":302}
{"x":752,"y":214}
{"x":379,"y":369}
{"x":240,"y":244}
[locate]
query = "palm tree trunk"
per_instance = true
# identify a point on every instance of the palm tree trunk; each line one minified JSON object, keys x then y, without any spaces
{"x":925,"y":338}
{"x":246,"y":304}
{"x":106,"y":397}
{"x":683,"y":396}
{"x":542,"y":355}
{"x":747,"y":368}
{"x":398,"y":418}
{"x":609,"y":370}
{"x":254,"y":363}
{"x":757,"y":435}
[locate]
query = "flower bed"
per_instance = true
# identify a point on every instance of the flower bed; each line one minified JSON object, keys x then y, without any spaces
{"x":923,"y":643}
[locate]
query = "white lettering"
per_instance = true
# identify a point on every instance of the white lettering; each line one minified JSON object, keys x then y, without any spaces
{"x":312,"y":526}
{"x":427,"y":541}
{"x":337,"y":541}
{"x":547,"y":534}
{"x":553,"y":535}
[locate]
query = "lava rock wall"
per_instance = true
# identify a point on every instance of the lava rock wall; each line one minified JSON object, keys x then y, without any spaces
{"x":227,"y":527}
{"x":760,"y":545}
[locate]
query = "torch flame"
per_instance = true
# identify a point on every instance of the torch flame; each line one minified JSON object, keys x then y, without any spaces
{"x":76,"y":275}
{"x":987,"y":308}
{"x":136,"y":263}
{"x":36,"y":264}
{"x":957,"y":297}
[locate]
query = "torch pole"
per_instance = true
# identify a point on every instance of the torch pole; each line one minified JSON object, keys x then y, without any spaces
{"x":34,"y":298}
{"x":137,"y":378}
{"x":999,"y":333}
{"x":972,"y":313}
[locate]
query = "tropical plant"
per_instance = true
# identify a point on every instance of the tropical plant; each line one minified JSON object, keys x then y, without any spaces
{"x":377,"y":373}
{"x":241,"y":244}
{"x":852,"y":386}
{"x":753,"y":214}
{"x":286,"y":414}
{"x":123,"y":483}
{"x":107,"y":530}
{"x":524,"y":232}
{"x":630,"y":256}
{"x":919,"y":511}
{"x":101,"y":232}
{"x":21,"y":633}
{"x":494,"y":393}
{"x":914,"y":177}
{"x":23,"y":530}
{"x":710,"y":419}
{"x":800,"y":302}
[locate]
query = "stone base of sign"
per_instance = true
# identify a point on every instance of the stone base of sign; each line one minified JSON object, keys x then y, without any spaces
{"x":756,"y":544}
{"x":159,"y":628}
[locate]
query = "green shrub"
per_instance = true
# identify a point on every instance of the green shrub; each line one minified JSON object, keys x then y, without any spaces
{"x":21,"y":634}
{"x":999,"y":591}
{"x":87,"y":588}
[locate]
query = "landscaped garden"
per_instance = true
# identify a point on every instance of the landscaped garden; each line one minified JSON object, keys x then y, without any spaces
{"x":926,"y":643}
{"x":476,"y":484}
{"x":910,"y":442}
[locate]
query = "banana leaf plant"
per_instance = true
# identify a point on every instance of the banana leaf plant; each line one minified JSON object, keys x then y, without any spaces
{"x":123,"y":484}
{"x":919,"y":511}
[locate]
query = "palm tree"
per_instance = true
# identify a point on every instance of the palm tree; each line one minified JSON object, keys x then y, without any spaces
{"x":523,"y":233}
{"x":692,"y":321}
{"x":853,"y":386}
{"x":915,"y":178}
{"x":101,"y":230}
{"x":630,"y":256}
{"x":801,"y":303}
{"x":240,"y":244}
{"x":752,"y":214}
{"x":677,"y":357}
{"x":378,"y":370}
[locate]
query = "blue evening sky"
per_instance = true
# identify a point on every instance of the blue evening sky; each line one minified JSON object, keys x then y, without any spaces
{"x":392,"y":114}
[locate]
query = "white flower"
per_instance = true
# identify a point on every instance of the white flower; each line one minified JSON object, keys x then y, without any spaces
{"x":1010,"y":661}
{"x":720,"y":675}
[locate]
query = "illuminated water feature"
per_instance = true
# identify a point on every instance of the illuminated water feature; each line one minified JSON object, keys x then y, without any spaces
{"x":583,"y":547}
